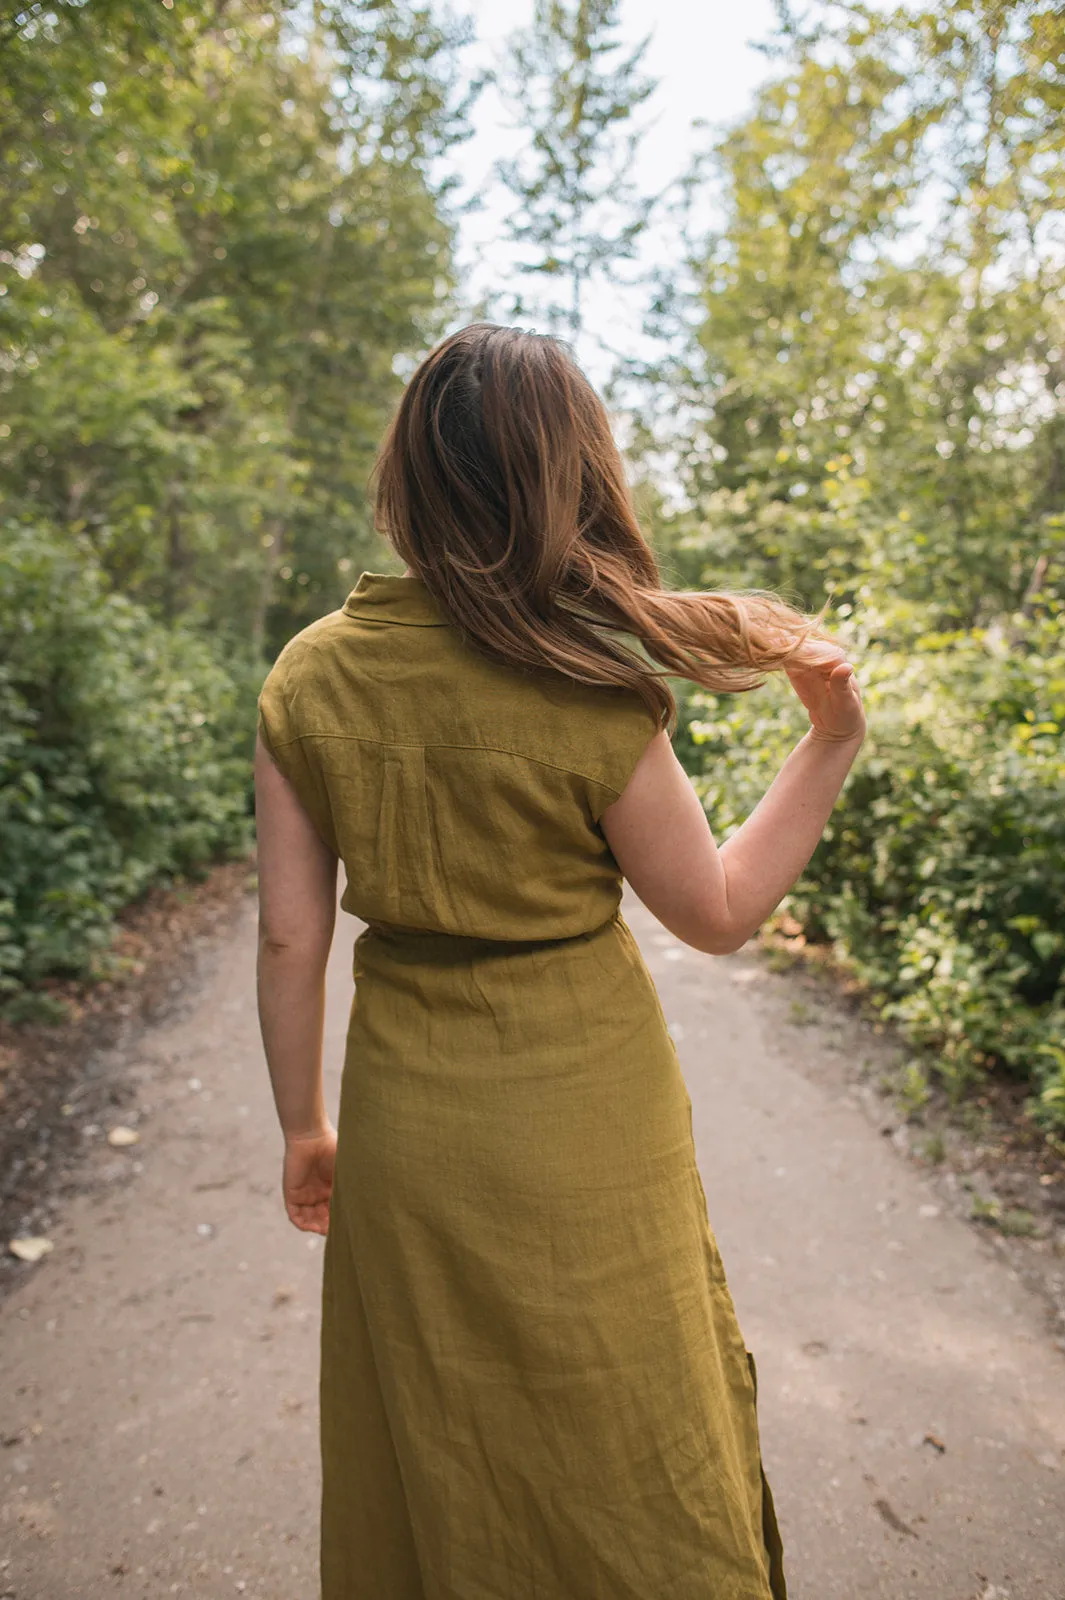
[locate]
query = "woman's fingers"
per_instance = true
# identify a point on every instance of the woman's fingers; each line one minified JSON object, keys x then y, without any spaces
{"x":310,"y":1218}
{"x":839,"y":672}
{"x":815,"y":654}
{"x":316,"y":1221}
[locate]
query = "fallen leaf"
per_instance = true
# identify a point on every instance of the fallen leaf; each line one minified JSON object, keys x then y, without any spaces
{"x":122,"y":1136}
{"x":30,"y":1249}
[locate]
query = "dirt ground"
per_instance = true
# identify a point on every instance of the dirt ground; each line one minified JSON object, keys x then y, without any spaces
{"x":159,"y":1407}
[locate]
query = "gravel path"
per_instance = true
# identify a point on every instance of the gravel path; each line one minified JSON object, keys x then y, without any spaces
{"x":158,"y":1411}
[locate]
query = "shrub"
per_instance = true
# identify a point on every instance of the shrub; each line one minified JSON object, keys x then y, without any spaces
{"x":124,"y":756}
{"x":940,"y":879}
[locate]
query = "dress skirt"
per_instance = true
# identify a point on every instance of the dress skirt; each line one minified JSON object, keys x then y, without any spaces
{"x":533,"y":1384}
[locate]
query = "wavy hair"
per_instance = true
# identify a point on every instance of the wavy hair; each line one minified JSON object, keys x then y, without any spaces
{"x":500,"y":484}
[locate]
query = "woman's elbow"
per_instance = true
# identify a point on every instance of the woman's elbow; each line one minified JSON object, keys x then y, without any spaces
{"x":721,"y":941}
{"x":294,"y":946}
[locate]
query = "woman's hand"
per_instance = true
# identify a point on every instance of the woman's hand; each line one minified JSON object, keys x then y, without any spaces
{"x":824,"y":681}
{"x":307,"y":1179}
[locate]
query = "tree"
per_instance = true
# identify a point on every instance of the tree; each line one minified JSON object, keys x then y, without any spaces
{"x":577,"y":212}
{"x":220,"y":223}
{"x":874,"y":384}
{"x":871,"y":399}
{"x":216,"y":233}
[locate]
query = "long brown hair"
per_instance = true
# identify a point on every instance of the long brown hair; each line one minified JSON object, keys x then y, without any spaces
{"x":500,"y":484}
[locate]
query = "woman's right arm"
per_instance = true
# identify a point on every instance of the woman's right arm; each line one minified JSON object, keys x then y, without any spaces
{"x":714,"y":898}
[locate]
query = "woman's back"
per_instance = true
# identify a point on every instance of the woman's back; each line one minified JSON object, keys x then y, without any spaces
{"x":463,"y":796}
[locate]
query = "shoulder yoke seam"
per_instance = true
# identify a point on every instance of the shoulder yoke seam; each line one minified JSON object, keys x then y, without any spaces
{"x":489,"y":749}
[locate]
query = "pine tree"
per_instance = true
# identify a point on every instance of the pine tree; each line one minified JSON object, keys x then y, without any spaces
{"x":577,"y":210}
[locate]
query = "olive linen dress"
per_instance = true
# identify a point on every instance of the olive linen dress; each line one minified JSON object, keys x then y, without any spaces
{"x":533,"y":1385}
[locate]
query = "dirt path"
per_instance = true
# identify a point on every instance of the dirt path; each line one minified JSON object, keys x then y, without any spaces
{"x":158,"y":1412}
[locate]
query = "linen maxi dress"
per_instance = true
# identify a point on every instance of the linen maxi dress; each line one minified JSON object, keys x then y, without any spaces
{"x":533,"y":1385}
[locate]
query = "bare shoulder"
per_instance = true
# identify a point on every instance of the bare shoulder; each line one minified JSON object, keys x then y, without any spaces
{"x":656,"y":786}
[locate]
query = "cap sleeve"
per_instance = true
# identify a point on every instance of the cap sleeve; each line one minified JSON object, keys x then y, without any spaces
{"x":286,"y":741}
{"x":627,"y":728}
{"x":275,"y":728}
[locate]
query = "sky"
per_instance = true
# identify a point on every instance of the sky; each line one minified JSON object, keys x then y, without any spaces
{"x":702,"y":56}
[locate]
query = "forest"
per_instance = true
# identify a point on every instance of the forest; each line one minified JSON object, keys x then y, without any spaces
{"x":227,"y":230}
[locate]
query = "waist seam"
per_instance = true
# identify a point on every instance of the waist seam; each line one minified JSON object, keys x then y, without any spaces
{"x":400,"y":933}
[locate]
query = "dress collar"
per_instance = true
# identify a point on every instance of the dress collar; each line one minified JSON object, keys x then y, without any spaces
{"x":389,"y":597}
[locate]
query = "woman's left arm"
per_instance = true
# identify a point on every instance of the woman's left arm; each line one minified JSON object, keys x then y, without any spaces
{"x":297,"y":913}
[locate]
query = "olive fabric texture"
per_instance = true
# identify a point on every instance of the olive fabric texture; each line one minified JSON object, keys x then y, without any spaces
{"x":533,"y":1385}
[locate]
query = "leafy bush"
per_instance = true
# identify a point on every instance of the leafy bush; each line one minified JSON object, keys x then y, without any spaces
{"x":940,"y":879}
{"x":124,"y":757}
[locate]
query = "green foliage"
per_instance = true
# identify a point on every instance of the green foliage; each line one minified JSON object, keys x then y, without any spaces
{"x":105,"y":787}
{"x":873,"y":386}
{"x":912,"y":1091}
{"x":218,"y":232}
{"x":940,"y":879}
{"x":865,"y":397}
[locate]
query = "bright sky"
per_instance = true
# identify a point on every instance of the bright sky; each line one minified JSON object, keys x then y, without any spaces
{"x":701,"y":54}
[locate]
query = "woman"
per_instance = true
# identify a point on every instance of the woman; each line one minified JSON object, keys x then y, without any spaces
{"x":533,"y":1385}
